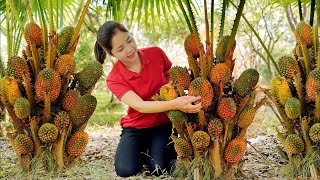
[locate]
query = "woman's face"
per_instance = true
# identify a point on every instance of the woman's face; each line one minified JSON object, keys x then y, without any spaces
{"x":124,"y":47}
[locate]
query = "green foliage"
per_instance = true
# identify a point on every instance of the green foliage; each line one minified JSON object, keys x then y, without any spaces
{"x":270,"y":24}
{"x":84,"y":52}
{"x":289,"y":2}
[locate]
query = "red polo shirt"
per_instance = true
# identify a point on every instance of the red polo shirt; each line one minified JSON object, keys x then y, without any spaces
{"x":145,"y":84}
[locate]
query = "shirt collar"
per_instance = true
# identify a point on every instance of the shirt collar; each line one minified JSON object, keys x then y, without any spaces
{"x":129,"y":74}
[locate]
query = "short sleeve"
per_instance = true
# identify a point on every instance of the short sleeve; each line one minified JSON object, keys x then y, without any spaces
{"x":117,"y":88}
{"x":166,"y":62}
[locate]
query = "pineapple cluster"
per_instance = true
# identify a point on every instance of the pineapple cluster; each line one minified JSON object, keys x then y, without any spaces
{"x":296,"y":94}
{"x":48,"y":102}
{"x":211,"y":143}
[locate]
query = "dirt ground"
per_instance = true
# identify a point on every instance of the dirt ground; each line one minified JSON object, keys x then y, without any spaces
{"x":97,"y":161}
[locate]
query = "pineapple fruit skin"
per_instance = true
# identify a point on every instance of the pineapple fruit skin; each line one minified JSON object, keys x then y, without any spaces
{"x":235,"y":150}
{"x":288,"y":66}
{"x":48,"y":132}
{"x":314,"y":133}
{"x":247,"y":81}
{"x":293,"y":108}
{"x":191,"y":47}
{"x":23,"y":144}
{"x":77,"y":143}
{"x":220,"y":73}
{"x":202,"y":87}
{"x":313,"y":84}
{"x":64,"y":38}
{"x":22,"y":108}
{"x":32,"y":32}
{"x":280,"y":90}
{"x":180,"y":75}
{"x":182,"y":147}
{"x":200,"y":140}
{"x":294,"y":144}
{"x":83,"y":109}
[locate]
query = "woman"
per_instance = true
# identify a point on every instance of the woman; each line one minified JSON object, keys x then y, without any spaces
{"x":135,"y":78}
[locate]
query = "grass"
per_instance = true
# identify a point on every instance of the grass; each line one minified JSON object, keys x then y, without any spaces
{"x":106,"y":113}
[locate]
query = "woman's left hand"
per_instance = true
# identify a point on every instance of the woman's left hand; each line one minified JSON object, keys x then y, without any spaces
{"x":184,"y":103}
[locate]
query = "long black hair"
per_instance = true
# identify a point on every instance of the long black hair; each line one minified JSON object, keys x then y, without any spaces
{"x":104,"y":37}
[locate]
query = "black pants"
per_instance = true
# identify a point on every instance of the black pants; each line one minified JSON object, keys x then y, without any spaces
{"x":150,"y":144}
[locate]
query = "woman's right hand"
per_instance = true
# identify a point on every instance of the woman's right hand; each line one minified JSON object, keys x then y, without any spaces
{"x":184,"y":103}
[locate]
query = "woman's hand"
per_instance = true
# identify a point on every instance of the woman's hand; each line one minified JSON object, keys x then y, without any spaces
{"x":184,"y":103}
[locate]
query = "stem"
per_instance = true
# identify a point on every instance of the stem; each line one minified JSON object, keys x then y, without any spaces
{"x":28,"y":88}
{"x":274,"y":111}
{"x":226,"y":128}
{"x":190,"y":130}
{"x":193,"y":66}
{"x":282,"y":140}
{"x":179,"y":129}
{"x":214,"y":154}
{"x":58,"y":150}
{"x":18,"y":41}
{"x":29,"y":11}
{"x":223,"y":15}
{"x":47,"y":107}
{"x":51,"y":25}
{"x":261,"y":42}
{"x":35,"y":58}
{"x":282,"y":113}
{"x":300,"y":10}
{"x":203,"y":65}
{"x":262,"y":155}
{"x":35,"y":137}
{"x":212,"y":25}
{"x":318,"y":62}
{"x":9,"y":45}
{"x":11,"y":5}
{"x":202,"y":119}
{"x":209,"y":59}
{"x":298,"y":85}
{"x":49,"y":55}
{"x":306,"y":138}
{"x":261,"y":102}
{"x":242,"y":105}
{"x":80,"y":22}
{"x":282,"y":153}
{"x":14,"y":118}
{"x":185,"y":15}
{"x":43,"y":29}
{"x":232,"y":40}
{"x":305,"y":55}
{"x":317,"y":110}
{"x":313,"y":3}
{"x":315,"y":39}
{"x":207,"y":24}
{"x":242,"y":133}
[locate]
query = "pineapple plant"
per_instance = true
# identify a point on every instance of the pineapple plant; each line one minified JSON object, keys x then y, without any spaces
{"x":211,"y":143}
{"x":296,"y":95}
{"x":48,"y":102}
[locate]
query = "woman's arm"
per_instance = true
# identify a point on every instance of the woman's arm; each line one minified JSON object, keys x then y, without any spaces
{"x":183,"y":103}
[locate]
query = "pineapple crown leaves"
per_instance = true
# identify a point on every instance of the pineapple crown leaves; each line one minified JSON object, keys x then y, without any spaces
{"x":235,"y":26}
{"x":223,"y":15}
{"x":2,"y":68}
{"x":185,"y":15}
{"x":80,"y":22}
{"x":193,"y":21}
